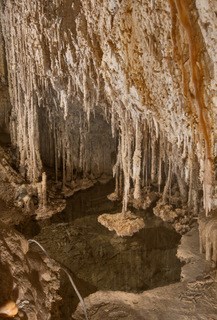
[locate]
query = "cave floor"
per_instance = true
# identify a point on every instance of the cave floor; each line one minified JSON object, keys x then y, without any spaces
{"x":180,"y":301}
{"x":108,"y":262}
{"x":99,"y":260}
{"x":195,"y":297}
{"x":10,"y":215}
{"x":103,"y":267}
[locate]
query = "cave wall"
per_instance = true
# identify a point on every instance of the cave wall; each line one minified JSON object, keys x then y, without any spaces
{"x":27,"y":279}
{"x":149,"y":67}
{"x":4,"y":93}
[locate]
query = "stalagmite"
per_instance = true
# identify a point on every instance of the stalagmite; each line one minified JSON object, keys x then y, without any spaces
{"x":42,"y":194}
{"x":44,"y":189}
{"x":78,"y":88}
{"x":113,"y":91}
{"x":208,"y":237}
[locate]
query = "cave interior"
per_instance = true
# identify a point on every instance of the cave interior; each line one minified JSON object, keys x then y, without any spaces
{"x":108,"y":159}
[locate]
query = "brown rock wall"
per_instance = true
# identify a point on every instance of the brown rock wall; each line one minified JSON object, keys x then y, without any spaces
{"x":147,"y":66}
{"x":4,"y":94}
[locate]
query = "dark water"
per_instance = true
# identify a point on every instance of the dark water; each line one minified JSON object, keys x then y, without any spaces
{"x":87,"y":202}
{"x":101,"y":258}
{"x":98,"y":258}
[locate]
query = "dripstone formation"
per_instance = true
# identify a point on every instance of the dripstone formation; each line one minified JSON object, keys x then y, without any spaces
{"x":91,"y":89}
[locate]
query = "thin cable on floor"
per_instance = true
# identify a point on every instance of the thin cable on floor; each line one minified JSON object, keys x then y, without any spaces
{"x":67,"y":273}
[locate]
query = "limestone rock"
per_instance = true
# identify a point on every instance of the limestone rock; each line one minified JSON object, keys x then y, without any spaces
{"x":86,"y":75}
{"x":32,"y":295}
{"x":124,"y":224}
{"x":208,"y":237}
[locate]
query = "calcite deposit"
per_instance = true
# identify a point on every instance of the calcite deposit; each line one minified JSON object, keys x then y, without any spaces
{"x":124,"y":224}
{"x":148,"y":68}
{"x":91,"y":89}
{"x":208,"y":237}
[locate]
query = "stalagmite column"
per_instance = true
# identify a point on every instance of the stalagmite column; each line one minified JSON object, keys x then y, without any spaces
{"x":146,"y":69}
{"x":44,"y":190}
{"x":42,"y":194}
{"x":137,"y":162}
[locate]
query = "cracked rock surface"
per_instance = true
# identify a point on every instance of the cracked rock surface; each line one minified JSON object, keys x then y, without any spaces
{"x":26,"y":278}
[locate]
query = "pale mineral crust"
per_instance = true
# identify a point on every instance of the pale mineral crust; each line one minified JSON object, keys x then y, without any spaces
{"x":208,"y":237}
{"x":146,"y":67}
{"x":124,"y":224}
{"x":95,"y":88}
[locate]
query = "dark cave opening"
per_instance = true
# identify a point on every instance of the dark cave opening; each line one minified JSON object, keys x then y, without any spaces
{"x":76,"y":149}
{"x":5,"y":139}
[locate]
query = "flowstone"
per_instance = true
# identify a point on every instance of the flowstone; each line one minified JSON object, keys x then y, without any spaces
{"x":124,"y":224}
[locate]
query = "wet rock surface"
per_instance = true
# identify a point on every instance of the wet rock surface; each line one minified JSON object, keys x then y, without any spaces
{"x":108,"y":262}
{"x":181,"y":301}
{"x":100,"y":260}
{"x":87,"y":85}
{"x":26,"y":278}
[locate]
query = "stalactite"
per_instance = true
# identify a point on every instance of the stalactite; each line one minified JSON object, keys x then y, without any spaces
{"x":197,"y":76}
{"x":55,"y":152}
{"x":146,"y":155}
{"x":189,"y":180}
{"x":125,"y":158}
{"x":152,"y":96}
{"x":113,"y":126}
{"x":153,"y":160}
{"x":31,"y":65}
{"x":64,"y":163}
{"x":117,"y":170}
{"x":159,"y":179}
{"x":182,"y":187}
{"x":137,"y":161}
{"x":168,"y":183}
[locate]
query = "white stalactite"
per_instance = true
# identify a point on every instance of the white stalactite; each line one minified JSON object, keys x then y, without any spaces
{"x":57,"y":70}
{"x":137,"y":161}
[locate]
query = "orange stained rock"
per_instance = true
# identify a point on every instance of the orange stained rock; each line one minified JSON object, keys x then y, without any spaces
{"x":196,"y":70}
{"x":183,"y":10}
{"x":8,"y":309}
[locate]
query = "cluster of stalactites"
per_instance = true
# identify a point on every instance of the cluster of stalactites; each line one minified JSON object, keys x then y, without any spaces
{"x":45,"y":72}
{"x":36,"y":58}
{"x":146,"y":158}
